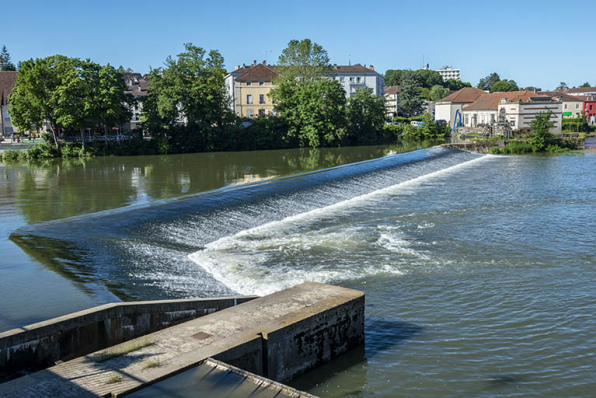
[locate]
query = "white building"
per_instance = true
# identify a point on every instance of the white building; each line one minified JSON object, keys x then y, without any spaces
{"x":447,"y":72}
{"x":354,"y":77}
{"x":7,"y":82}
{"x":447,"y":108}
{"x":484,"y":111}
{"x":573,"y":105}
{"x":521,"y":113}
{"x":581,"y":91}
{"x":391,"y":101}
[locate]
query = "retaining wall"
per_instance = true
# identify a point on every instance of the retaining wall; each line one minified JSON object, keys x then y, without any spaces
{"x":43,"y":344}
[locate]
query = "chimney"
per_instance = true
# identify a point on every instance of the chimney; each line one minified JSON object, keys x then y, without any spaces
{"x":372,"y":67}
{"x":264,"y":62}
{"x":244,"y":65}
{"x":236,"y":67}
{"x":254,"y":62}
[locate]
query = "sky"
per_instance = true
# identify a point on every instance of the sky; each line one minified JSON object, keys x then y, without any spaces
{"x":536,"y":43}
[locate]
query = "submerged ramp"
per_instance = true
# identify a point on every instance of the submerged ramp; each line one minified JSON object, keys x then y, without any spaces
{"x":279,"y":336}
{"x":143,"y":253}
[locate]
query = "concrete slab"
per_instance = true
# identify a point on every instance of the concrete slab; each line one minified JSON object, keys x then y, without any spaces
{"x":278,"y":336}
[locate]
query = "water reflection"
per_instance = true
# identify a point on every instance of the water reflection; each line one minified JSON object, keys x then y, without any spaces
{"x":60,"y":188}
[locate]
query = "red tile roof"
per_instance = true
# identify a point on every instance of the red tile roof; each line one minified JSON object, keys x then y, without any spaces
{"x":564,"y":97}
{"x":491,"y":101}
{"x":258,"y":72}
{"x":7,"y":81}
{"x":581,"y":90}
{"x":391,"y":89}
{"x":466,"y":95}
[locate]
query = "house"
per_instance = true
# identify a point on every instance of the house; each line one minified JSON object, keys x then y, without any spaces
{"x":354,"y":77}
{"x":7,"y":82}
{"x":391,"y":101}
{"x":249,"y":87}
{"x":590,"y":108}
{"x":581,"y":91}
{"x":520,"y":113}
{"x":573,"y":105}
{"x":136,"y":85}
{"x":447,"y":108}
{"x":484,"y":111}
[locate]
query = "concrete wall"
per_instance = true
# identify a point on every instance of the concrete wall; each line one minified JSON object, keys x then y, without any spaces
{"x":63,"y":338}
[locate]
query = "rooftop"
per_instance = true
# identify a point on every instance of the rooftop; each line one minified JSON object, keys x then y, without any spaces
{"x":491,"y":101}
{"x":257,"y":72}
{"x":466,"y":95}
{"x":7,"y":81}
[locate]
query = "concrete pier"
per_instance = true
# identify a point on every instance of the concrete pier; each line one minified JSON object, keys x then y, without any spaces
{"x":279,"y":336}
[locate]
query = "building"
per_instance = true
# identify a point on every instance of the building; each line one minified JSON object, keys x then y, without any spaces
{"x":354,"y":77}
{"x":573,"y":105}
{"x":136,"y":85}
{"x":7,"y":82}
{"x":249,"y":87}
{"x":590,"y":108}
{"x":447,"y":72}
{"x":580,"y":91}
{"x":484,"y":111}
{"x":391,"y":101}
{"x":520,"y":113}
{"x":447,"y":108}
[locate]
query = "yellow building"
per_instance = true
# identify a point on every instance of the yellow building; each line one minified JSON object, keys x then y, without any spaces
{"x":250,"y":89}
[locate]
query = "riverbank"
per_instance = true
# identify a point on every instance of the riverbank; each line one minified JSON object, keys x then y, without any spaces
{"x":519,"y":146}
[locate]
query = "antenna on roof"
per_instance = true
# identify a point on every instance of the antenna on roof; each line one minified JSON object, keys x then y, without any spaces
{"x":350,"y":59}
{"x":267,"y":52}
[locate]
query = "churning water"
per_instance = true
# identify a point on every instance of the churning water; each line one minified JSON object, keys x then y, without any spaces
{"x":479,"y":270}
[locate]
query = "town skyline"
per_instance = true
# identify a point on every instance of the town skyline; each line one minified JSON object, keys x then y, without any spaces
{"x":520,"y":46}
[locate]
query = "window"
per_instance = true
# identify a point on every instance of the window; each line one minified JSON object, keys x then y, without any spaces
{"x":261,"y":112}
{"x":342,"y":79}
{"x":576,"y":106}
{"x":249,"y":112}
{"x":249,"y":98}
{"x":261,"y":83}
{"x":565,"y":106}
{"x":351,"y":78}
{"x":261,"y":98}
{"x":249,"y":83}
{"x":512,"y":123}
{"x":358,"y":79}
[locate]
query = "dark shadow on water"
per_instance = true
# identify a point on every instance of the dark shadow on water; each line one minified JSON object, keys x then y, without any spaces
{"x":382,"y":335}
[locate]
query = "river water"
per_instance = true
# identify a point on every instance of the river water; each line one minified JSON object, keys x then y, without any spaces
{"x":478,"y":270}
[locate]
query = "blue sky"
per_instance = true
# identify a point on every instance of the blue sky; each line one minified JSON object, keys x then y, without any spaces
{"x":533,"y":42}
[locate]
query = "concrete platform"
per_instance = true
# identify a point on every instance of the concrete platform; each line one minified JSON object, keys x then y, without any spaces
{"x":279,"y":336}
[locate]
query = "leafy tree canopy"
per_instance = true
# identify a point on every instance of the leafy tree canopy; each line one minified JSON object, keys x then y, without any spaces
{"x":304,"y":60}
{"x":410,"y":103}
{"x":366,"y":117}
{"x":487,"y":82}
{"x":438,"y":92}
{"x":562,"y":86}
{"x":586,"y":84}
{"x":503,"y":86}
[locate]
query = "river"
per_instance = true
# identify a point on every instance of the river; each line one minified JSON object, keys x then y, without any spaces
{"x":478,"y":270}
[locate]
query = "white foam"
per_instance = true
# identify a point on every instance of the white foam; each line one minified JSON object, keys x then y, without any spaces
{"x":241,"y":261}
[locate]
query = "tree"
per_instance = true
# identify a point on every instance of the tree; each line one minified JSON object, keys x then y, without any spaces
{"x":427,"y":78}
{"x":410,"y":102}
{"x":187,"y":101}
{"x":5,"y":64}
{"x":312,"y":104}
{"x":304,"y":60}
{"x":586,"y":84}
{"x":366,"y":117}
{"x":562,"y":86}
{"x":393,"y":77}
{"x":504,"y":86}
{"x":67,"y":92}
{"x":540,"y":126}
{"x":122,"y":69}
{"x":487,"y":82}
{"x":424,"y":93}
{"x":437,"y":93}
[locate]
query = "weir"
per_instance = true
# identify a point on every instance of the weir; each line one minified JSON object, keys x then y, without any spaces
{"x":204,"y":245}
{"x":278,"y":337}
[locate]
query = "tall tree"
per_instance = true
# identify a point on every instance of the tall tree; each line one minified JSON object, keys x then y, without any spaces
{"x":312,"y":104}
{"x":427,"y":78}
{"x":410,"y":103}
{"x":504,"y":86}
{"x":586,"y":84}
{"x":455,"y":85}
{"x":393,"y":77}
{"x":366,"y":117}
{"x":437,"y":93}
{"x":304,"y":60}
{"x":5,"y":63}
{"x":187,"y":98}
{"x":540,"y":126}
{"x":487,"y":82}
